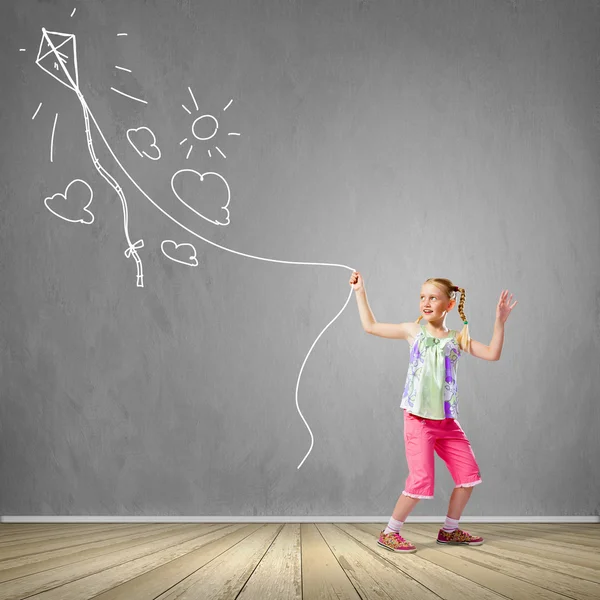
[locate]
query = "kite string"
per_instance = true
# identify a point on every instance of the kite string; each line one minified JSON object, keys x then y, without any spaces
{"x":302,"y":368}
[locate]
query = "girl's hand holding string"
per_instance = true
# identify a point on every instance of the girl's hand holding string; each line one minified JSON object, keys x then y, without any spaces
{"x":504,"y":307}
{"x":356,"y":281}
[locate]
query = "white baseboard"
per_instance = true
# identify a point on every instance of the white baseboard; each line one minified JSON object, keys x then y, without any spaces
{"x":314,"y":519}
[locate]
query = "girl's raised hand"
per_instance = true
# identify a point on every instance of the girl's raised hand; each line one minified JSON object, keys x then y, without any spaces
{"x":504,"y":306}
{"x":356,"y":281}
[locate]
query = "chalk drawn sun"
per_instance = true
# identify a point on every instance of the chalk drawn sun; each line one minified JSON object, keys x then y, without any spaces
{"x":204,"y":128}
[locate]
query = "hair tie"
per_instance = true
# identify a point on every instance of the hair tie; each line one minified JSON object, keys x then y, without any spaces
{"x":466,"y":322}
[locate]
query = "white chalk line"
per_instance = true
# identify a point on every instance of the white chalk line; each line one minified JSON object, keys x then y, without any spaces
{"x":233,"y":134}
{"x":183,"y":141}
{"x":22,"y":49}
{"x":193,"y":261}
{"x":193,"y":98}
{"x":127,"y":95}
{"x":122,"y":69}
{"x":53,"y":48}
{"x":52,"y":139}
{"x":187,"y":110}
{"x":36,"y":112}
{"x":85,"y":208}
{"x":215,"y":245}
{"x":228,"y":105}
{"x":302,"y":368}
{"x":120,"y":34}
{"x":189,"y":152}
{"x":209,"y":154}
{"x":219,"y":149}
{"x":152,"y":145}
{"x":73,"y":12}
{"x":212,"y":134}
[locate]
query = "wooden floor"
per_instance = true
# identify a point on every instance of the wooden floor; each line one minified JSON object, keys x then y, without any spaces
{"x":293,"y":561}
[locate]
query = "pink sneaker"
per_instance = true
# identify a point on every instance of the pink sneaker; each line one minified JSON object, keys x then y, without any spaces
{"x":458,"y":536}
{"x":395,"y":542}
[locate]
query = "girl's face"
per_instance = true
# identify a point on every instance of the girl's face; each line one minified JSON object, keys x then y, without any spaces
{"x":434,"y":303}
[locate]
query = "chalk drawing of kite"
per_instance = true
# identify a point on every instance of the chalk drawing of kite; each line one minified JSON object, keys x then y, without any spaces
{"x":142,"y":139}
{"x":70,"y":207}
{"x":57,"y":57}
{"x":183,"y":253}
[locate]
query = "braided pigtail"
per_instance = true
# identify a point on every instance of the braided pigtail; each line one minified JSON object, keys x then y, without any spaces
{"x":463,"y":338}
{"x":419,"y":319}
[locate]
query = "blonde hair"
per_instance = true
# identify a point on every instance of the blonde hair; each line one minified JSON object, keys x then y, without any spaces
{"x":446,"y":286}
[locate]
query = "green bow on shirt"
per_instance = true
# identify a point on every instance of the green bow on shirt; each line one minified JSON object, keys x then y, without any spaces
{"x":431,"y":341}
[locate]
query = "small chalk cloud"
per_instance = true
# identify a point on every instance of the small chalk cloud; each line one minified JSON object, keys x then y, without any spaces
{"x":72,"y":206}
{"x":183,"y":253}
{"x":144,"y":143}
{"x":206,"y":190}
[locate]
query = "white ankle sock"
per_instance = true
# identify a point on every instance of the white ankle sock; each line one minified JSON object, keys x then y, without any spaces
{"x":450,"y":524}
{"x":394,"y":526}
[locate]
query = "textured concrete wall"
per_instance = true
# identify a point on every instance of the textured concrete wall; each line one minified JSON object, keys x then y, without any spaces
{"x":406,"y":139}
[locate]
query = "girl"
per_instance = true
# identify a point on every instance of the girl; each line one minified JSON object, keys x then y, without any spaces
{"x":430,"y":403}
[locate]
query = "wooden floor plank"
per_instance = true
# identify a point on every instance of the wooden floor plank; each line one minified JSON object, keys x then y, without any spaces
{"x":322,"y":576}
{"x":507,"y":585}
{"x":569,"y":556}
{"x":42,"y":561}
{"x":25,"y":526}
{"x":441,"y":581}
{"x":548,"y":564}
{"x":154,"y":581}
{"x":278,"y":575}
{"x":372,"y":576}
{"x":560,"y":535}
{"x":520,"y":534}
{"x":44,"y":529}
{"x":71,"y":541}
{"x":552,"y":564}
{"x":217,"y":580}
{"x":14,"y":530}
{"x":543,"y":578}
{"x":57,"y":578}
{"x":60,"y":533}
{"x":589,"y":561}
{"x":590,"y":530}
{"x":71,"y":556}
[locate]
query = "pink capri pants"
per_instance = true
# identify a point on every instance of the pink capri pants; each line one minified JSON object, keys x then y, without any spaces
{"x":424,"y":436}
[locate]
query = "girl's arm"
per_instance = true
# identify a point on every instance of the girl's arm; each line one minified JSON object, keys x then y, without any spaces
{"x":398,"y":331}
{"x":494,"y":350}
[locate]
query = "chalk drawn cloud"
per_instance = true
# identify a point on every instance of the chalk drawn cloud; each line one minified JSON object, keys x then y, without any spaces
{"x":143,"y":139}
{"x":183,"y":253}
{"x":204,"y":189}
{"x":72,"y":206}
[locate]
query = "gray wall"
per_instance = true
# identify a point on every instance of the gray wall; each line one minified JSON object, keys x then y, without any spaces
{"x":406,"y":139}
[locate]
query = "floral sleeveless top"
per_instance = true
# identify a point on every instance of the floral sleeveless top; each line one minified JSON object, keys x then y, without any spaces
{"x":431,"y":389}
